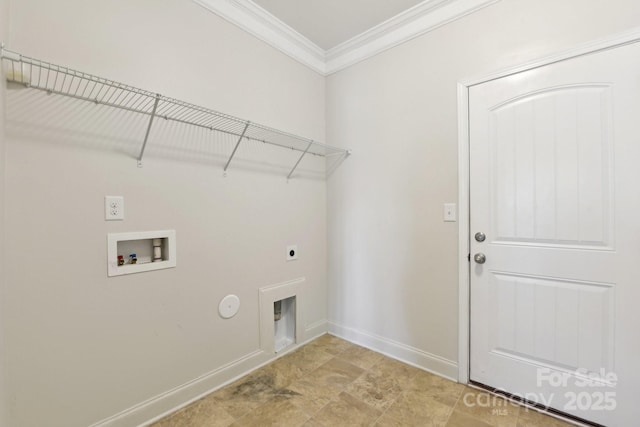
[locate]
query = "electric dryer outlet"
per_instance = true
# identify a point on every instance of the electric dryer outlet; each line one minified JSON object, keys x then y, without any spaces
{"x":292,"y":252}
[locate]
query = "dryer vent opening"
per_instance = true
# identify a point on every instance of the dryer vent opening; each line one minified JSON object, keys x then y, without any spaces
{"x":284,"y":315}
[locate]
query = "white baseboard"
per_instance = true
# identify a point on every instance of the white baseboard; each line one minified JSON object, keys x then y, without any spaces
{"x":166,"y":403}
{"x":404,"y":353}
{"x":163,"y":404}
{"x":316,"y":329}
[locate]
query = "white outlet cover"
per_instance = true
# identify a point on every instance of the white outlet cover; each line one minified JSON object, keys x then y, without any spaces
{"x":292,"y":252}
{"x":229,"y":306}
{"x":450,"y":214}
{"x":113,"y":208}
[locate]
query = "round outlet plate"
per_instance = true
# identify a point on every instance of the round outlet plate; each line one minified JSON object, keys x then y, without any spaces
{"x":229,"y":306}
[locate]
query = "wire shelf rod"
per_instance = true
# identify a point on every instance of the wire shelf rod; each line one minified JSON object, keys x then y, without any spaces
{"x":57,"y":92}
{"x":299,"y":160}
{"x":233,"y":153}
{"x":189,"y":115}
{"x":146,"y":135}
{"x":195,"y":116}
{"x":64,"y":81}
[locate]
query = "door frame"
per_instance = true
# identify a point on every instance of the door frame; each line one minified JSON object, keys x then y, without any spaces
{"x":464,"y":270}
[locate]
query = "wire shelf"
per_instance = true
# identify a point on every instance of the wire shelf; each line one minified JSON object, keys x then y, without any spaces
{"x":55,"y":79}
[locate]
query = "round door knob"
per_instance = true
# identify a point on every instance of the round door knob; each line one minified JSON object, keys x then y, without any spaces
{"x":480,"y":236}
{"x":479,"y":258}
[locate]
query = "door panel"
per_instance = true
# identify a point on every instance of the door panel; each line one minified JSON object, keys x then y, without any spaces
{"x":558,"y":323}
{"x":550,"y":169}
{"x":554,"y":173}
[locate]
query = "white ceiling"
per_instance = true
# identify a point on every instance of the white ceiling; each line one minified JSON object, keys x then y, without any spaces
{"x":328,"y":23}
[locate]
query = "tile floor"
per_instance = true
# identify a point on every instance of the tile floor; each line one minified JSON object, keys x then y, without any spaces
{"x":331,"y":382}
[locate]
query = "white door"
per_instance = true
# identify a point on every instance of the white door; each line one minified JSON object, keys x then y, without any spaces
{"x":555,"y":187}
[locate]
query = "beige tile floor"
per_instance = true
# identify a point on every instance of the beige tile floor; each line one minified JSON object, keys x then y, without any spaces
{"x":331,"y":382}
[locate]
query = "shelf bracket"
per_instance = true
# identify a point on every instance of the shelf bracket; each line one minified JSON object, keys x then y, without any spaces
{"x":233,"y":153}
{"x":299,"y":160}
{"x":146,"y":135}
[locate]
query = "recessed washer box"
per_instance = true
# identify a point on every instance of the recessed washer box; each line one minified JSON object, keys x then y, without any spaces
{"x":140,"y":243}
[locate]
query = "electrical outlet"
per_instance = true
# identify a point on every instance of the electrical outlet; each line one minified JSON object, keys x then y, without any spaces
{"x":292,"y":252}
{"x":113,"y":208}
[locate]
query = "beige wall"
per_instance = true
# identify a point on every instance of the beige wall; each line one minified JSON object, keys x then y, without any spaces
{"x":4,"y":31}
{"x":393,"y":261}
{"x":83,"y":347}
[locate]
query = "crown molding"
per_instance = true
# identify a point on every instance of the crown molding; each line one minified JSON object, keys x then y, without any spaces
{"x":414,"y":22}
{"x":405,"y":26}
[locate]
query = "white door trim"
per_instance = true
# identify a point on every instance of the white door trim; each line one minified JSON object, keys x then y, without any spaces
{"x":614,"y":41}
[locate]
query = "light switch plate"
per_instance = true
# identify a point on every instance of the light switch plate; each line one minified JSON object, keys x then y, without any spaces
{"x":450,"y":214}
{"x":113,"y":208}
